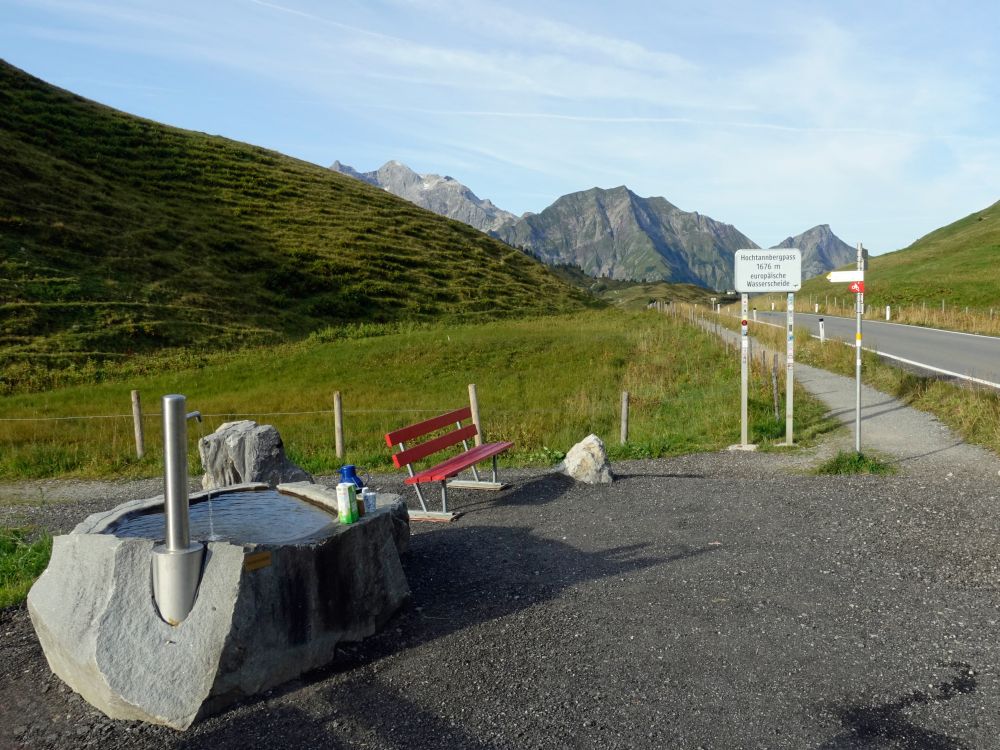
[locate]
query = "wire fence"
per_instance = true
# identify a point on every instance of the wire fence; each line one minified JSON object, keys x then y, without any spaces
{"x":644,"y":420}
{"x":152,"y":415}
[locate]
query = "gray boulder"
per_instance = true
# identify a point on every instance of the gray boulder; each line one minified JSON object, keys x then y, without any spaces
{"x":244,"y":451}
{"x":587,"y":461}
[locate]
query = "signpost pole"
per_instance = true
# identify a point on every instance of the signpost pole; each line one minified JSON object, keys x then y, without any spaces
{"x":789,"y":371}
{"x":744,"y":369}
{"x":857,"y":356}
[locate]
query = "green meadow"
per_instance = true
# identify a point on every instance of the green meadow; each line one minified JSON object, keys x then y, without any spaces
{"x":544,"y":383}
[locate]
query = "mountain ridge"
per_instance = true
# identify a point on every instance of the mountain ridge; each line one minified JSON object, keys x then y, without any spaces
{"x":621,"y":235}
{"x":443,"y":195}
{"x":648,"y":239}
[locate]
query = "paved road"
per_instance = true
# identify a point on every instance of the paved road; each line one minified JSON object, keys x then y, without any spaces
{"x":959,"y":354}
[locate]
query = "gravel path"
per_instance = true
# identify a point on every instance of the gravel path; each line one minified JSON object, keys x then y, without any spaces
{"x":724,"y":600}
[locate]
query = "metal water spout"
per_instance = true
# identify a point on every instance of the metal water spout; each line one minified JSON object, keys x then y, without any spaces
{"x":177,"y":562}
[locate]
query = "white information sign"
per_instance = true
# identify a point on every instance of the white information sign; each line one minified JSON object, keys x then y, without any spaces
{"x":768,"y":270}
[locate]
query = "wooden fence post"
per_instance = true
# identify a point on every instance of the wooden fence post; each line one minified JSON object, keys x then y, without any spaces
{"x":474,"y":406}
{"x":140,"y":443}
{"x":624,"y":430}
{"x":338,"y":424}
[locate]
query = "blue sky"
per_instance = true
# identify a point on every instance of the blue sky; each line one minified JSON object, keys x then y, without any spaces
{"x":878,"y":118}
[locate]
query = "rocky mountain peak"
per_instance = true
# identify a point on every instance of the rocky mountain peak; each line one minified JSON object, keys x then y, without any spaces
{"x":822,"y":250}
{"x":442,"y":195}
{"x":613,"y":232}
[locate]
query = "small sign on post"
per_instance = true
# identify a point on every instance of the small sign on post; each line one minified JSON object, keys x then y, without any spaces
{"x":845,"y":277}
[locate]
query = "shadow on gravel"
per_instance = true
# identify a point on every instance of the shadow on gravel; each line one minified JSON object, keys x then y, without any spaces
{"x":546,"y":489}
{"x":460,"y":577}
{"x":865,"y":415}
{"x":356,"y":713}
{"x":887,"y":725}
{"x":463,"y":576}
{"x":400,"y":724}
{"x":904,"y":459}
{"x":541,"y":491}
{"x":652,"y":475}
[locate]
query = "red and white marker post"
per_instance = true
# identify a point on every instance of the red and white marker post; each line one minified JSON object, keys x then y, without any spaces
{"x":744,"y":369}
{"x":857,"y":286}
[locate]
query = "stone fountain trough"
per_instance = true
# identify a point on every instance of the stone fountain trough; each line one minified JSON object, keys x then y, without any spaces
{"x":272,"y":602}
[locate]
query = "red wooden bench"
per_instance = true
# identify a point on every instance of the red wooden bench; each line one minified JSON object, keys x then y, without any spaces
{"x":450,"y":467}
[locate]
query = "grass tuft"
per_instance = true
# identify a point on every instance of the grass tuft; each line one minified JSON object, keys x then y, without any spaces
{"x":851,"y":462}
{"x":23,"y":557}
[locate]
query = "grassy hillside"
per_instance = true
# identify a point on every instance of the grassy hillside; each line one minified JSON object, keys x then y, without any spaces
{"x":633,"y":295}
{"x":120,"y":235}
{"x":957,"y":263}
{"x":637,"y":296}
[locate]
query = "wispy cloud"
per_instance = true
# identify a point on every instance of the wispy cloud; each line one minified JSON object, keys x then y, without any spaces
{"x":522,"y":29}
{"x":650,"y":120}
{"x":776,"y":110}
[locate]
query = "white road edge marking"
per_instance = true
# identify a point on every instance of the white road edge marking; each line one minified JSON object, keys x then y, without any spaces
{"x":971,"y":379}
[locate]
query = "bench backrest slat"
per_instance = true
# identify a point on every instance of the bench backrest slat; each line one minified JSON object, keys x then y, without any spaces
{"x":425,"y":449}
{"x":405,"y":434}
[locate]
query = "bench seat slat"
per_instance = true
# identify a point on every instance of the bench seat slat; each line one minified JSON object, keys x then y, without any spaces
{"x":404,"y":434}
{"x":463,"y":461}
{"x":425,"y":449}
{"x":459,"y":463}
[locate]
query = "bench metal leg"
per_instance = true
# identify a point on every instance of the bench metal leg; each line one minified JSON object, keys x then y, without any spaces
{"x":409,"y":470}
{"x":420,"y":497}
{"x":444,"y":497}
{"x":465,"y":446}
{"x":494,"y":469}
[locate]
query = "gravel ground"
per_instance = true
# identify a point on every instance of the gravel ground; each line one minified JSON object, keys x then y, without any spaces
{"x":723,"y":600}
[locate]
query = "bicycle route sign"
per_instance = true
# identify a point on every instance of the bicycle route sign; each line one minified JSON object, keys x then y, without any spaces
{"x":761,"y":271}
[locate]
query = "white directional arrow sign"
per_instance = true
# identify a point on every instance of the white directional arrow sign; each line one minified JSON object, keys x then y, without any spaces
{"x":845,"y":276}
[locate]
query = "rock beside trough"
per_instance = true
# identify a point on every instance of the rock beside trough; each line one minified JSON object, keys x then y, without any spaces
{"x":245,"y":451}
{"x":587,"y":461}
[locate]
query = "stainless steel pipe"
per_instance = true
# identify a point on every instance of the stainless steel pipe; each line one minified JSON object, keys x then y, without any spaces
{"x":176,"y":563}
{"x":175,"y":504}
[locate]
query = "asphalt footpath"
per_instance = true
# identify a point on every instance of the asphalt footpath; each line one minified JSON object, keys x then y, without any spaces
{"x":718,"y":600}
